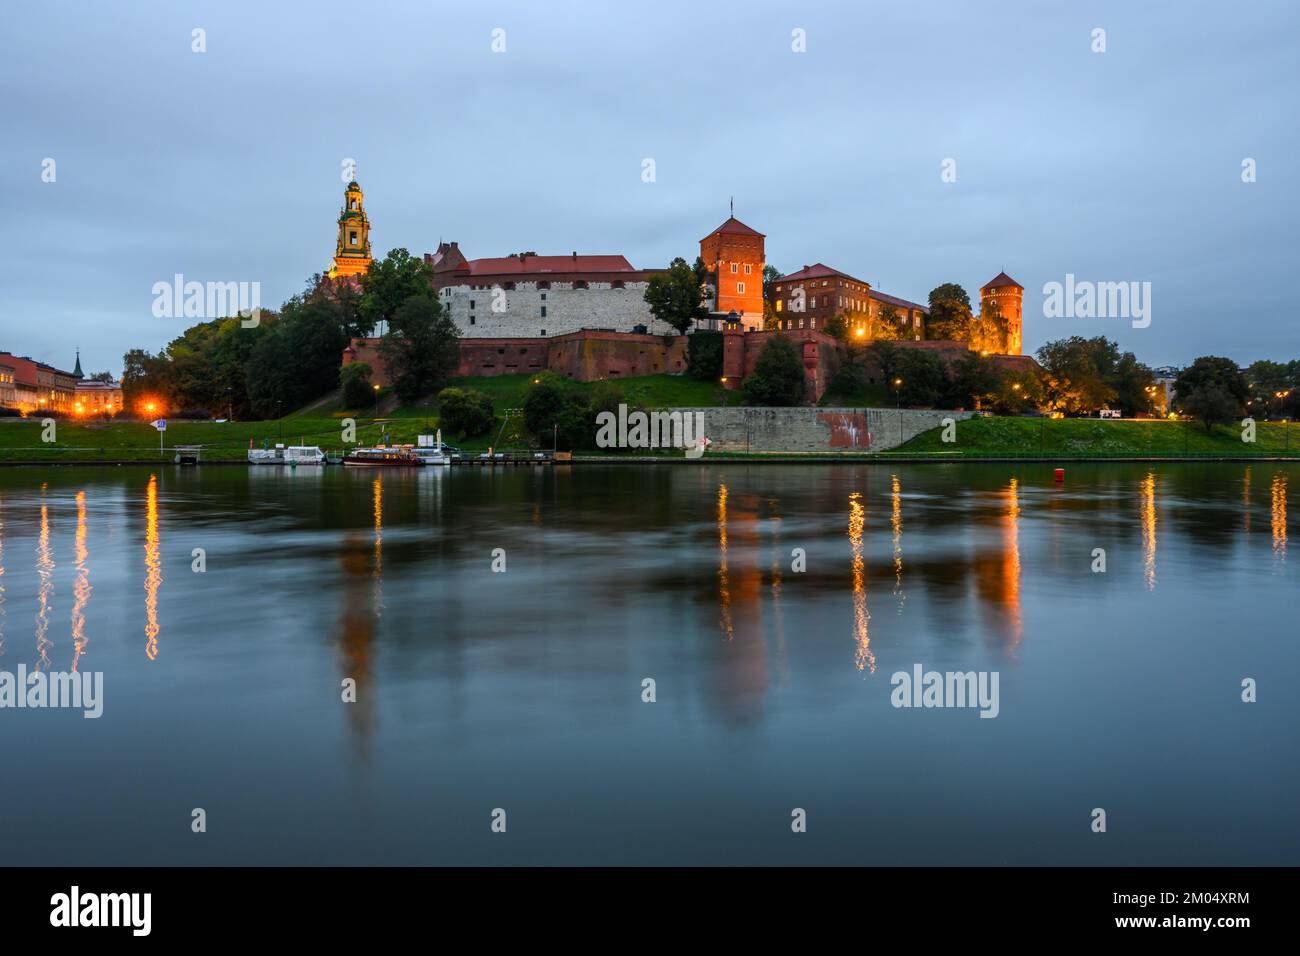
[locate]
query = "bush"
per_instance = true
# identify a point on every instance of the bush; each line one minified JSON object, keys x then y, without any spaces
{"x":553,"y":412}
{"x":465,"y":413}
{"x":7,"y":412}
{"x":704,"y":356}
{"x":778,"y":376}
{"x":357,"y":389}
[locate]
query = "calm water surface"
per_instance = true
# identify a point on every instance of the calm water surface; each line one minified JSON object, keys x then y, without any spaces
{"x":522,"y":690}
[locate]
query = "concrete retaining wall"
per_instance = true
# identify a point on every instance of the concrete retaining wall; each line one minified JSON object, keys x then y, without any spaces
{"x":816,"y":429}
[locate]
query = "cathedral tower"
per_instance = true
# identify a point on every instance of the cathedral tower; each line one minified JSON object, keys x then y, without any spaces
{"x":352,"y":252}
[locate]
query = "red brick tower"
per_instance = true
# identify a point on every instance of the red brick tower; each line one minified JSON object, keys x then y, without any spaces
{"x":1007,"y":295}
{"x":733,"y":254}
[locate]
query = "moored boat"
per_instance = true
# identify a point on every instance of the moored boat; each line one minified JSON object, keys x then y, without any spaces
{"x":383,"y":457}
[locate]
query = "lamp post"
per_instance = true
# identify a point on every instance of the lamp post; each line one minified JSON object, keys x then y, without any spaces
{"x":898,"y":406}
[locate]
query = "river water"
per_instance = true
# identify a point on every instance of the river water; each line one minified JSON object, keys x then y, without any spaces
{"x":770,"y":605}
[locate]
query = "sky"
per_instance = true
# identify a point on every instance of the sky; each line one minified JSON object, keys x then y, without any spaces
{"x":225,"y":165}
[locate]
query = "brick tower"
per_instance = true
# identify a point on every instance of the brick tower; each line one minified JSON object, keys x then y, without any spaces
{"x":352,"y":251}
{"x":1006,"y":295}
{"x":733,"y":254}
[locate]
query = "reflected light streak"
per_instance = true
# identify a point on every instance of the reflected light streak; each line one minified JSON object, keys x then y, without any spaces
{"x":896,"y":522}
{"x":377,"y":493}
{"x":81,"y":589}
{"x":1148,"y":504}
{"x":153,"y":569}
{"x":724,"y":581}
{"x":1011,"y":561}
{"x":44,"y":571}
{"x":863,"y":659}
{"x":1245,"y":498}
{"x":1278,"y":514}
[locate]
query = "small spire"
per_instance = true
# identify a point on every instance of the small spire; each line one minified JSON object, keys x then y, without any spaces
{"x":733,"y":207}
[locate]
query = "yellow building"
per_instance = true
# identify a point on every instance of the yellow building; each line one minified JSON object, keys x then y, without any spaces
{"x":352,"y":251}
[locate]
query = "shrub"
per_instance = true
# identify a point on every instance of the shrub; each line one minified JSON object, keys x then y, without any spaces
{"x":778,"y":376}
{"x":465,"y":413}
{"x":704,"y":356}
{"x":357,"y":389}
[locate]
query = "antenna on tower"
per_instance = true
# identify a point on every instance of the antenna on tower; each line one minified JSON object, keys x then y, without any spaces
{"x":733,"y":207}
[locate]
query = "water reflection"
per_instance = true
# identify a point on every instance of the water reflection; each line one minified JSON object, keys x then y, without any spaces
{"x":81,"y":589}
{"x":724,"y":582}
{"x":1148,"y":508}
{"x":862,"y":658}
{"x":45,"y":574}
{"x":1245,"y":499}
{"x":153,"y":569}
{"x":1277,"y":512}
{"x":896,"y":524}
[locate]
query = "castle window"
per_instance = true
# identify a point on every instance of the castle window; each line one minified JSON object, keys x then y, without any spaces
{"x":733,"y":268}
{"x":352,"y":238}
{"x":544,"y":285}
{"x":543,"y":331}
{"x":543,"y":296}
{"x":471,"y":303}
{"x":778,"y":305}
{"x":471,"y":320}
{"x":746,"y":268}
{"x":543,"y":314}
{"x":740,"y":288}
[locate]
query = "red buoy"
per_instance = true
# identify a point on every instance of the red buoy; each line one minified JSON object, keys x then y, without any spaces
{"x":1060,"y":474}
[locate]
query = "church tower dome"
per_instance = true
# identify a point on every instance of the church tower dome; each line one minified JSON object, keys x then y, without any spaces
{"x":352,"y":250}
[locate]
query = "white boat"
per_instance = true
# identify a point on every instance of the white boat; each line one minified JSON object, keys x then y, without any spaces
{"x":431,"y":451}
{"x":266,"y":456}
{"x":304,"y":455}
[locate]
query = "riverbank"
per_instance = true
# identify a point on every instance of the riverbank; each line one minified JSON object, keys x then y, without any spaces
{"x":976,"y":439}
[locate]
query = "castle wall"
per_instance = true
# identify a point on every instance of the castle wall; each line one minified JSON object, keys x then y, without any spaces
{"x":528,"y":310}
{"x":807,"y":430}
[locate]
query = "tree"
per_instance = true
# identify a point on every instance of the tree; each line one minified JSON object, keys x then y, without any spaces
{"x":421,"y":349}
{"x":105,"y":377}
{"x":1212,"y":390}
{"x":553,"y":411}
{"x":950,"y":313}
{"x":1075,"y":369}
{"x":888,"y":324}
{"x":355,"y":381}
{"x":778,"y":377}
{"x":924,"y":378}
{"x":771,"y":275}
{"x":388,"y":285}
{"x":837,"y":327}
{"x":973,"y":382}
{"x":988,"y":332}
{"x":704,"y":356}
{"x":676,"y":296}
{"x":466,"y":413}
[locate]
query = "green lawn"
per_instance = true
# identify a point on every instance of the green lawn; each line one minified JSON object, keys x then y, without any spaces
{"x":1085,"y":437}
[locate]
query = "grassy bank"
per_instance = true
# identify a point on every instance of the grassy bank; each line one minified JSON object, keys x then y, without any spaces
{"x":20,"y":440}
{"x":1093,"y":438}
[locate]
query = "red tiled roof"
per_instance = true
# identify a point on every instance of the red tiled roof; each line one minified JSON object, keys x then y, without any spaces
{"x":735,"y":227}
{"x":530,"y":265}
{"x":897,"y":302}
{"x":1000,"y":280}
{"x":818,"y":271}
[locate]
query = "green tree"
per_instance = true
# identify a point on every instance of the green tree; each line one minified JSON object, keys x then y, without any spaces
{"x":676,"y":297}
{"x":888,"y":324}
{"x":553,"y":411}
{"x":466,"y":413}
{"x":771,"y":276}
{"x":391,"y":281}
{"x":354,"y":378}
{"x":1076,"y":374}
{"x":421,"y":349}
{"x":950,"y":313}
{"x":1212,"y":390}
{"x":973,"y":382}
{"x":778,"y":376}
{"x":704,"y":355}
{"x":925,"y":379}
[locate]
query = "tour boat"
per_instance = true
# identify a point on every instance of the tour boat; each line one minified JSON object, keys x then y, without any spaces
{"x":265,"y":456}
{"x":432,"y":451}
{"x":397,"y":457}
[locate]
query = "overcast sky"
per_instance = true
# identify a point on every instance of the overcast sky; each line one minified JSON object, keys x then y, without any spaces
{"x":225,"y":165}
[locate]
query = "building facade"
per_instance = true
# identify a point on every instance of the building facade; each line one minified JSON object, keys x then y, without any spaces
{"x":526,"y":295}
{"x":37,"y":387}
{"x":815,"y":294}
{"x":734,"y":257}
{"x":1005,"y":296}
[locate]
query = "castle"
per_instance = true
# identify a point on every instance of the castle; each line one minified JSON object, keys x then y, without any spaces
{"x":586,"y":315}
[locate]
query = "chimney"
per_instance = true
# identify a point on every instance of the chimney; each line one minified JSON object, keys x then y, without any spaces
{"x":575,"y":253}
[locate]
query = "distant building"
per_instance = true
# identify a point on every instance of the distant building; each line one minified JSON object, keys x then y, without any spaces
{"x":530,"y":296}
{"x":38,"y":387}
{"x":97,"y":399}
{"x":8,"y":389}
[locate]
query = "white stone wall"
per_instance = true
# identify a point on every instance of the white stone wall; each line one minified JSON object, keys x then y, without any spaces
{"x":498,"y":312}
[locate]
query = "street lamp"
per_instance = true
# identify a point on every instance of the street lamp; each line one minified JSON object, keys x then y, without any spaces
{"x":898,"y":397}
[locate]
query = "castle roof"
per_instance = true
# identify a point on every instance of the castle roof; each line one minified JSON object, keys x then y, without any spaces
{"x":897,"y":302}
{"x":734,"y":227}
{"x":817,"y":271}
{"x":999,"y":281}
